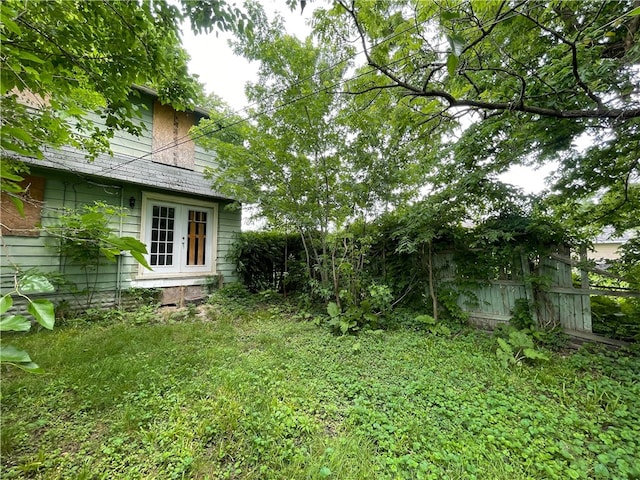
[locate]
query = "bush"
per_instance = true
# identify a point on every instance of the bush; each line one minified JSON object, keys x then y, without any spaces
{"x":269,"y":261}
{"x":616,"y":317}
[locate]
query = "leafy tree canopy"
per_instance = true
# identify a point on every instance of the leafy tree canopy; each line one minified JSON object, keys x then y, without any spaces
{"x":71,"y":57}
{"x":498,"y":83}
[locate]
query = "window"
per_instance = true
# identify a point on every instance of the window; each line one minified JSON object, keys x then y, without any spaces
{"x":180,"y":237}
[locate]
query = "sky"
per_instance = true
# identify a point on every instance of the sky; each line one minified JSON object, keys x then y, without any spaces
{"x":226,"y":74}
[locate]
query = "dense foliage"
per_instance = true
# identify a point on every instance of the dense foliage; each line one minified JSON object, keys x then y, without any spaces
{"x":403,"y":259}
{"x":249,"y":391}
{"x":269,"y":261}
{"x":498,"y":83}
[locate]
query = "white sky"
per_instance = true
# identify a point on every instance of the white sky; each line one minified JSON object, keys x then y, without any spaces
{"x":226,"y":74}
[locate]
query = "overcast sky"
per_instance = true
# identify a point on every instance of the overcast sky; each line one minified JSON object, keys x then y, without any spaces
{"x":226,"y":74}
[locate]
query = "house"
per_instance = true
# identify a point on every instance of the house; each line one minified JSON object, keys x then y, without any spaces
{"x":158,"y":178}
{"x":606,"y":246}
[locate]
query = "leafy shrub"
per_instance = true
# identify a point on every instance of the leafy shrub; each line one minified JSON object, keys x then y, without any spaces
{"x":368,"y":312}
{"x":521,"y":315}
{"x":517,"y":348}
{"x":233,"y":291}
{"x":429,"y":323}
{"x":142,"y":296}
{"x":448,"y":300}
{"x":616,"y":317}
{"x":269,"y":260}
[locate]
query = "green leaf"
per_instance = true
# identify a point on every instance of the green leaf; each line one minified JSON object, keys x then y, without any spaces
{"x":43,"y":311}
{"x":325,"y":472}
{"x":635,"y":12}
{"x":19,"y":133}
{"x":600,"y":470}
{"x":133,"y":244}
{"x":141,"y":260}
{"x":534,"y":354}
{"x":110,"y":253}
{"x":452,"y":63}
{"x":14,"y":147}
{"x":35,"y":284}
{"x":11,"y":25}
{"x":8,"y":175}
{"x":15,"y":323}
{"x":6,"y":303}
{"x":457,"y":43}
{"x":449,"y":15}
{"x":19,"y":204}
{"x":344,"y":326}
{"x":504,"y":346}
{"x":29,"y":56}
{"x":29,"y":367}
{"x":333,"y":310}
{"x":10,"y":354}
{"x":426,"y":319}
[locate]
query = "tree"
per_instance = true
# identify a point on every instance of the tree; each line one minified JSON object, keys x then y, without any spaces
{"x":312,"y":160}
{"x":501,"y":83}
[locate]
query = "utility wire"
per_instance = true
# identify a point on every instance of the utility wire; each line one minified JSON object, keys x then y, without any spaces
{"x":187,"y":138}
{"x":219,"y":128}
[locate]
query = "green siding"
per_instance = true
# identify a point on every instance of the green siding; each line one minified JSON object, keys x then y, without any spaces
{"x":228,"y":228}
{"x":204,"y":159}
{"x":124,"y":144}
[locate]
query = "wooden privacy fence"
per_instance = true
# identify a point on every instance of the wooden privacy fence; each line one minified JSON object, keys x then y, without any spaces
{"x":548,"y":288}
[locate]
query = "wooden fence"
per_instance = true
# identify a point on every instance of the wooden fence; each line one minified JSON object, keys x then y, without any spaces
{"x":548,"y":288}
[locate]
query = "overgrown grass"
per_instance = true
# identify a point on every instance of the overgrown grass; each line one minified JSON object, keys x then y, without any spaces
{"x":250,"y":393}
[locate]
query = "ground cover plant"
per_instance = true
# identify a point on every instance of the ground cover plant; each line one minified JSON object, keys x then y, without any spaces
{"x":250,"y":390}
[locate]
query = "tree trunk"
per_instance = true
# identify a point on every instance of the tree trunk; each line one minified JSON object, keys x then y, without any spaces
{"x":432,"y":290}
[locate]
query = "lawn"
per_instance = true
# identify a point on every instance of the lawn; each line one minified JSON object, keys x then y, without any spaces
{"x":254,"y":392}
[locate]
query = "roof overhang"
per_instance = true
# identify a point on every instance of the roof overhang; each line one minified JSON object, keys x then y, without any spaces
{"x":138,"y":171}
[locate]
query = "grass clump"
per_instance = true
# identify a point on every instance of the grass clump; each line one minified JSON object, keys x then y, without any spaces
{"x":248,"y":392}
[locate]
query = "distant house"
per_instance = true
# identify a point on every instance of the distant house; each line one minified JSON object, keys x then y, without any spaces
{"x":606,"y":245}
{"x":158,"y":178}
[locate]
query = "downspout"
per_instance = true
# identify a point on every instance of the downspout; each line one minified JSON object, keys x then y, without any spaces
{"x":118,"y":298}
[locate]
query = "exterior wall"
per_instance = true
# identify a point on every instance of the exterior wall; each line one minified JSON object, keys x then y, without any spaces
{"x":229,"y":225}
{"x":127,"y":145}
{"x":69,"y":191}
{"x":40,"y":253}
{"x":605,"y":251}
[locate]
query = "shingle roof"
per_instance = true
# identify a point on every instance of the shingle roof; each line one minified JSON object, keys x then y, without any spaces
{"x":138,"y":171}
{"x":607,"y":236}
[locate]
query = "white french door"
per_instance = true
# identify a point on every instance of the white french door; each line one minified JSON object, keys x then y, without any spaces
{"x":180,"y":238}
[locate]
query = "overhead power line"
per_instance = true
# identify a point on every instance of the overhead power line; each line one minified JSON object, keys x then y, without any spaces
{"x":217,"y":128}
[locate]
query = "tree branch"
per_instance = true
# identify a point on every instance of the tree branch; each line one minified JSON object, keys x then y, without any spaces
{"x":574,"y":58}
